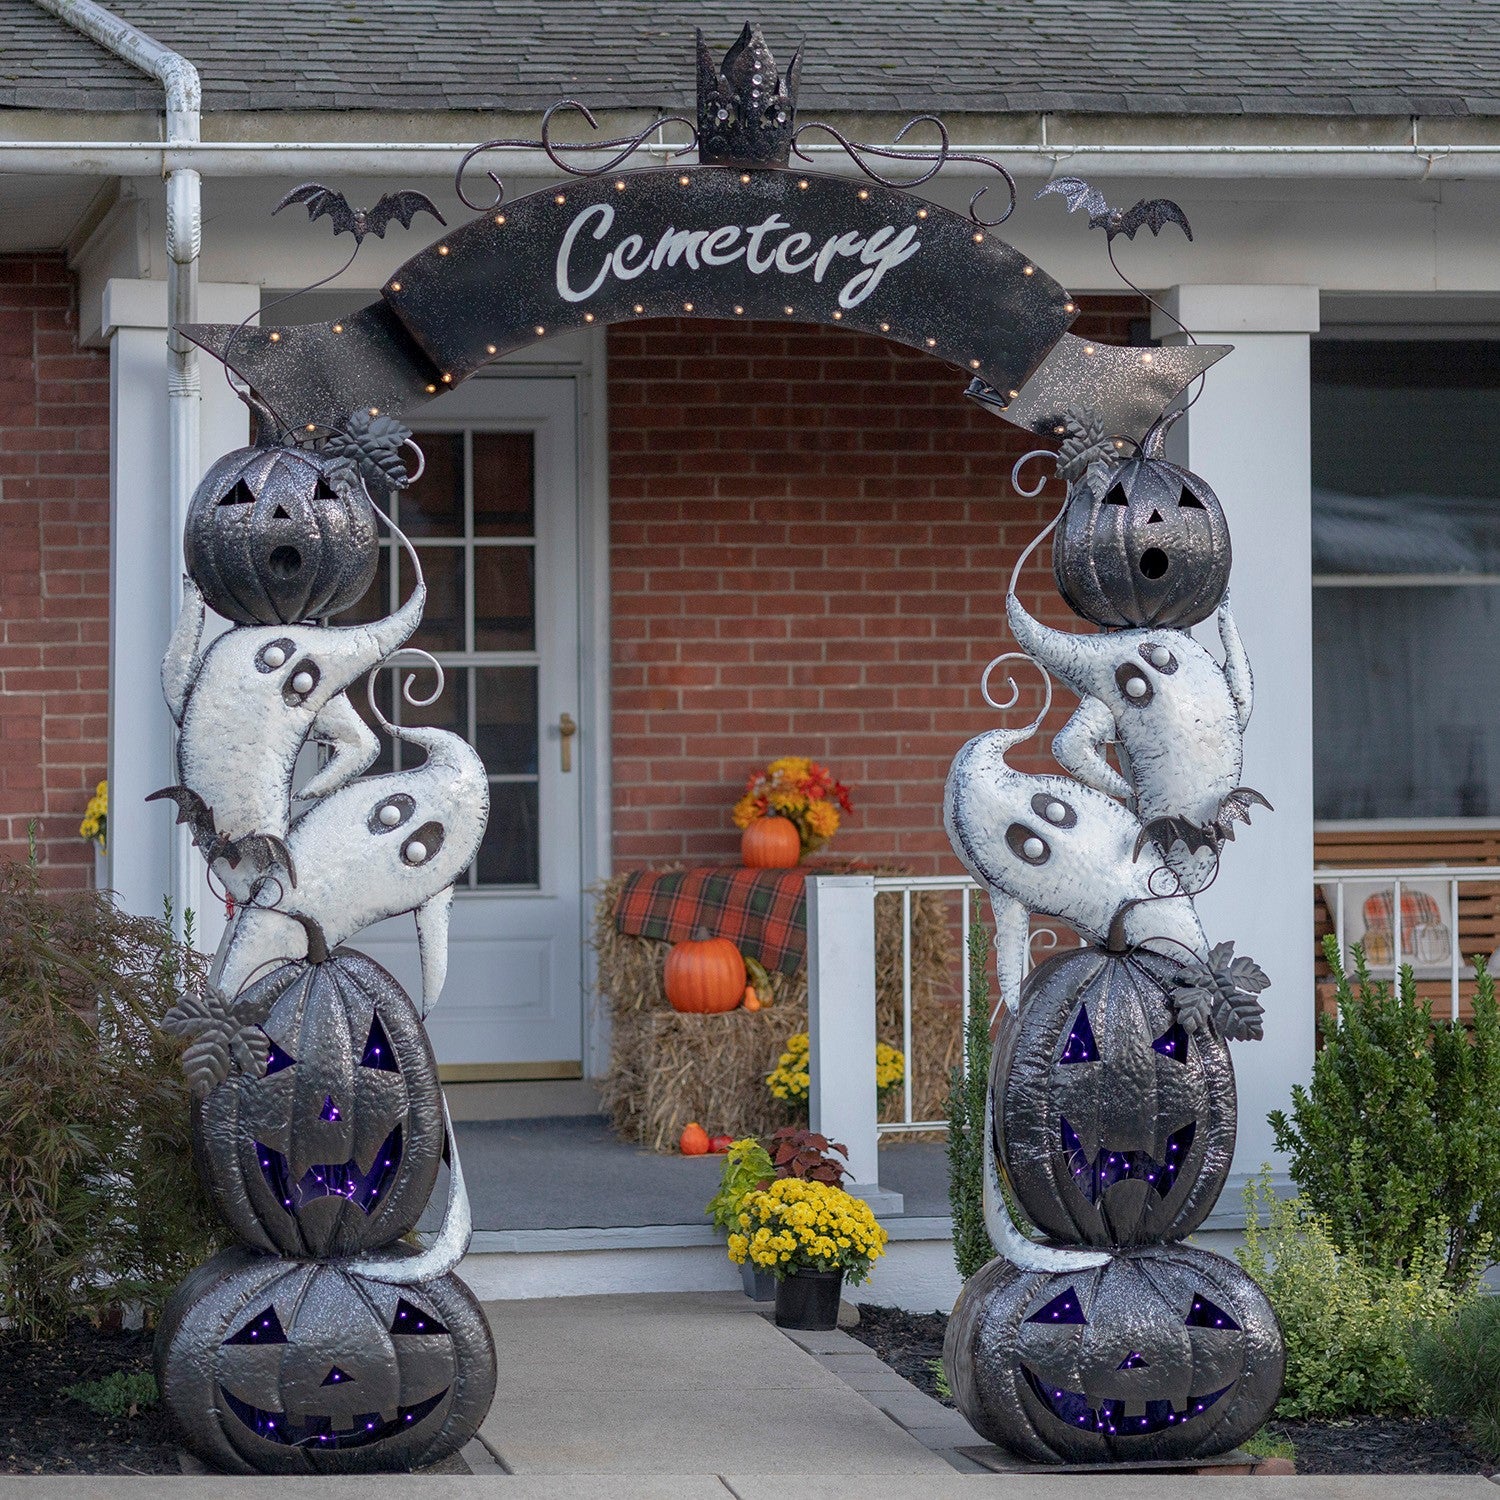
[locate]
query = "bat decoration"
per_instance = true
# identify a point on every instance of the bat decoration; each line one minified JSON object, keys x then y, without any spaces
{"x":402,"y":207}
{"x":263,"y":849}
{"x":1164,"y":832}
{"x":1150,"y":213}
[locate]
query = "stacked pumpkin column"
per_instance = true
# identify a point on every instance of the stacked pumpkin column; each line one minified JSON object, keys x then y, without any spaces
{"x":323,"y":1341}
{"x":1111,"y":1094}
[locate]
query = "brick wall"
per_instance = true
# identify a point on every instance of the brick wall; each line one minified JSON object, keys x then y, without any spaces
{"x":54,"y":565}
{"x":811,"y":533}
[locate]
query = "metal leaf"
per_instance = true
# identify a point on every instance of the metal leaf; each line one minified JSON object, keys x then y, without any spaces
{"x":220,"y":1037}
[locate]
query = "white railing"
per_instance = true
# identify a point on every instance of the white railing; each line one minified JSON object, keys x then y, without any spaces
{"x":841,"y":1003}
{"x":1434,"y":950}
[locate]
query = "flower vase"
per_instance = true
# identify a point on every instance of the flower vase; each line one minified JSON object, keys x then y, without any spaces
{"x":809,"y":1300}
{"x":759,"y":1283}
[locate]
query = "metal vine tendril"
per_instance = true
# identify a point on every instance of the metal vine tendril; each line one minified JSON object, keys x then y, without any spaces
{"x":628,"y":144}
{"x":939,"y":156}
{"x":1015,"y":691}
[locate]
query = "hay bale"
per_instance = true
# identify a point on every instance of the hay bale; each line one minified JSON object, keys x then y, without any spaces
{"x":667,"y":1068}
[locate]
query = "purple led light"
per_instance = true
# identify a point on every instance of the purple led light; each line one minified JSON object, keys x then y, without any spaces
{"x":1075,"y":1408}
{"x":1081,"y":1047}
{"x":1063,"y":1308}
{"x":366,"y":1427}
{"x":332,"y":1179}
{"x":1094,"y":1175}
{"x":1173,"y":1043}
{"x":330,"y":1109}
{"x":378,"y":1052}
{"x":409,"y":1319}
{"x":1206,"y":1314}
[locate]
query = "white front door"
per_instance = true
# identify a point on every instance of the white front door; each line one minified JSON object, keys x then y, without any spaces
{"x":495,"y":520}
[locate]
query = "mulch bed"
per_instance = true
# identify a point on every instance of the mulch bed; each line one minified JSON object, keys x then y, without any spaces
{"x":907,"y":1342}
{"x":43,"y":1431}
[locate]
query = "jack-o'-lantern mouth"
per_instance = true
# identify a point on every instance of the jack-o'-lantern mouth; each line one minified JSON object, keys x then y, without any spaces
{"x":332,"y":1179}
{"x":319,"y":1432}
{"x":1118,"y":1418}
{"x":1095,"y":1175}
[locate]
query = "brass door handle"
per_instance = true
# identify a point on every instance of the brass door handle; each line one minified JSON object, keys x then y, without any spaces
{"x":566,"y":728}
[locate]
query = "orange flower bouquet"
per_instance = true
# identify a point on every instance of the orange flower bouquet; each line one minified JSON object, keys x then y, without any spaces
{"x":800,"y":790}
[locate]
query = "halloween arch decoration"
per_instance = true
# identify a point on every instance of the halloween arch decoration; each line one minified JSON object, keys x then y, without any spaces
{"x":324,"y":1341}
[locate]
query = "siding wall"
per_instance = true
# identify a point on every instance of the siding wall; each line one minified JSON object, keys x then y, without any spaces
{"x":811,"y":533}
{"x":54,"y":566}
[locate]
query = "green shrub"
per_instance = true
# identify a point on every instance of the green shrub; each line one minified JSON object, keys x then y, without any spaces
{"x":99,"y":1200}
{"x":122,"y":1393}
{"x":966,"y":1100}
{"x":1349,"y":1325}
{"x":1398,"y":1137}
{"x":1459,"y":1358}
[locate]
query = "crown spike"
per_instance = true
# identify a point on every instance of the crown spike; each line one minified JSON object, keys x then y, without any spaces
{"x":745,"y":107}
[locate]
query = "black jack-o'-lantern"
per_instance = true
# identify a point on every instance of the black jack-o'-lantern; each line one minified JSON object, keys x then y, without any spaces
{"x":1165,"y":1352}
{"x":273,"y":1366}
{"x":1113,"y":1124}
{"x":271,"y":538}
{"x":1142,"y":542}
{"x":336,"y":1149}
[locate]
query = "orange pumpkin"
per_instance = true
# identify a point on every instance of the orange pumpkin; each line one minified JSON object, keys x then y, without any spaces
{"x":694,"y":1140}
{"x":705,"y":974}
{"x":771,"y":844}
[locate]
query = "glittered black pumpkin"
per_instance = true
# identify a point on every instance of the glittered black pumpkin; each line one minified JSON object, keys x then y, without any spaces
{"x":1113,"y":1124}
{"x":1142,"y":543}
{"x":271,"y":539}
{"x":271,"y":1366}
{"x":1166,"y":1352}
{"x":336,"y":1148}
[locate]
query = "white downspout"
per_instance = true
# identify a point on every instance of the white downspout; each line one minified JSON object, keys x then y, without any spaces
{"x":184,"y":98}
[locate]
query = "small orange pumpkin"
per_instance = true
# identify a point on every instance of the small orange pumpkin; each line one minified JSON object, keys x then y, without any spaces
{"x":694,"y":1140}
{"x":771,"y":844}
{"x":751,"y":1000}
{"x":704,"y":974}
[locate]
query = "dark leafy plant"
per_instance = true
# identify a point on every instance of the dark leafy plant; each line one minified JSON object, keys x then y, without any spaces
{"x":1459,"y":1358}
{"x":122,"y":1393}
{"x":1397,"y":1137}
{"x":808,"y":1155}
{"x":967,"y":1092}
{"x":99,"y":1201}
{"x":1348,"y":1325}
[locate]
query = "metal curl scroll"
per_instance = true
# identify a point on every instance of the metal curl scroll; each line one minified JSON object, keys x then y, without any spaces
{"x":628,"y":145}
{"x":938,"y":156}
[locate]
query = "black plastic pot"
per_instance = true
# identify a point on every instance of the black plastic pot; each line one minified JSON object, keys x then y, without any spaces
{"x":809,"y":1300}
{"x":759,"y":1283}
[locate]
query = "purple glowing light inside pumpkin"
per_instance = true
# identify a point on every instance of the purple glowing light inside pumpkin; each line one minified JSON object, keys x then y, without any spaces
{"x":276,"y":1059}
{"x":1081,"y":1047}
{"x":1206,"y":1314}
{"x":1063,"y":1308}
{"x":1132,"y":1361}
{"x":1094,"y":1175}
{"x":330,"y":1110}
{"x":378,"y":1052}
{"x":1172,"y":1043}
{"x":264,"y":1328}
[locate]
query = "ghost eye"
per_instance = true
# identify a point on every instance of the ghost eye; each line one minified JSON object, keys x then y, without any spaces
{"x":411,"y":1319}
{"x":1206,"y":1314}
{"x":274,"y":654}
{"x":1063,"y":1308}
{"x":1187,"y":500}
{"x":276,"y":1059}
{"x":1160,"y":658}
{"x":1134,"y":684}
{"x":423,"y":844}
{"x":300,"y":684}
{"x":263,"y":1328}
{"x":1172,"y":1043}
{"x":1081,"y":1047}
{"x":390,"y":812}
{"x":378,"y":1052}
{"x":1054,"y":810}
{"x":1025,"y":844}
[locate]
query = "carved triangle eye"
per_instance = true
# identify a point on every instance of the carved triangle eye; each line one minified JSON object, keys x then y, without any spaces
{"x":378,"y":1051}
{"x":1081,"y":1046}
{"x":263,"y":1328}
{"x":1116,"y":495}
{"x":1206,"y":1314}
{"x":1188,"y":500}
{"x":1172,"y":1043}
{"x":1063,"y":1308}
{"x":411,"y":1319}
{"x":276,"y":1059}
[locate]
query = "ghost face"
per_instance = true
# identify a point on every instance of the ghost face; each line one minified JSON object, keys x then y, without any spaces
{"x":1113,"y":1124}
{"x":284,"y":1367}
{"x":336,"y":1149}
{"x":1163,"y":1353}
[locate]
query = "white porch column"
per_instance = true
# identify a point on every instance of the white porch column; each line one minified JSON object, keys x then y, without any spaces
{"x":145,"y":582}
{"x":1249,"y":436}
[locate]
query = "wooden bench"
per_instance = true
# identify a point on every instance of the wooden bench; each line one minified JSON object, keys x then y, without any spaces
{"x":1461,"y":846}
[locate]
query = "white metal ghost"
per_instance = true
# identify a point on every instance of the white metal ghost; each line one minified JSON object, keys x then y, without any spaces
{"x":1179,"y":718}
{"x":245,"y":706}
{"x":1045,"y":844}
{"x":370,"y":850}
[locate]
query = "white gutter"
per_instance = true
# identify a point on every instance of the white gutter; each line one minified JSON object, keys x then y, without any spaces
{"x":1442,"y":161}
{"x":183,"y":104}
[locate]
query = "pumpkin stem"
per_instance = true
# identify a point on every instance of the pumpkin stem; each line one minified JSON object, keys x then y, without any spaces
{"x":701,"y":934}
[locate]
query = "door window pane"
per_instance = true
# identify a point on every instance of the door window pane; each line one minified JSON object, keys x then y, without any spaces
{"x":505,"y":599}
{"x":505,"y":719}
{"x":442,"y":627}
{"x":434,"y":505}
{"x":504,"y":483}
{"x":509,"y":854}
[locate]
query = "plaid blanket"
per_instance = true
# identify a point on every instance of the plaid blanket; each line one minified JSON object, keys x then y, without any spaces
{"x":762,"y":912}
